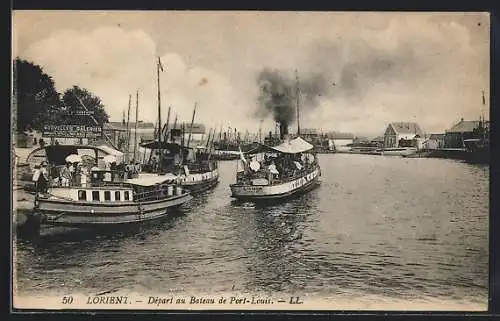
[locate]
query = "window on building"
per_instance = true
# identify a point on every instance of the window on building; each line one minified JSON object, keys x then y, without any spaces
{"x":95,"y":195}
{"x":117,"y":195}
{"x":82,"y":195}
{"x":107,"y":195}
{"x":126,"y":196}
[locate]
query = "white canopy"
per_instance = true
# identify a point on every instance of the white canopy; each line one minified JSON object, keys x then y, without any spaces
{"x":151,"y":179}
{"x":294,"y":146}
{"x":110,"y":150}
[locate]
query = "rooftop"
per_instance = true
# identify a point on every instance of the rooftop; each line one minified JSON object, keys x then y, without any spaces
{"x":436,"y":136}
{"x":407,"y":128}
{"x":464,"y":126}
{"x":116,"y":125}
{"x":338,"y":135}
{"x":378,"y":139}
{"x":196,"y":129}
{"x":119,"y":126}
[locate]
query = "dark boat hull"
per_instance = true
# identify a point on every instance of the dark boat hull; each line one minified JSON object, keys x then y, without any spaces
{"x":88,"y":215}
{"x":200,"y":187}
{"x":249,"y":193}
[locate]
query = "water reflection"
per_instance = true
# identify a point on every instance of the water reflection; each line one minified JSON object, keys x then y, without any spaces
{"x":415,"y":228}
{"x":272,"y":243}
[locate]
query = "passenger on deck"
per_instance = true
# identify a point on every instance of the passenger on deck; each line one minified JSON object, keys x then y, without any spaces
{"x":41,"y":178}
{"x":84,"y":174}
{"x":72,"y":170}
{"x":107,"y":174}
{"x":65,"y":175}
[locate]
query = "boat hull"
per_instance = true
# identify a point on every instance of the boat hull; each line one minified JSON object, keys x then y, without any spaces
{"x":89,"y":214}
{"x":398,"y":151}
{"x":285,"y":190}
{"x":201,"y":186}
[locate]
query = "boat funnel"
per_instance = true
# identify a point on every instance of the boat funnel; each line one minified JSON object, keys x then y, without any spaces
{"x":283,"y":130}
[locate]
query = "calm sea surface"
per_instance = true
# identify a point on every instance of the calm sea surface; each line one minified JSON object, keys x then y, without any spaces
{"x":383,"y":226}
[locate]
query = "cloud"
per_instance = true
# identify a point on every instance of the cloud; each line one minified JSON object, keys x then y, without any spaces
{"x":113,"y":63}
{"x":411,"y":69}
{"x":386,"y":67}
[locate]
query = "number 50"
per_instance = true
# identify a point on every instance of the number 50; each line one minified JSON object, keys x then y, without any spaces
{"x":67,"y":300}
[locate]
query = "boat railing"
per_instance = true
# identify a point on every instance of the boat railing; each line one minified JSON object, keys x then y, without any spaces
{"x":98,"y":178}
{"x":203,"y":166}
{"x":156,"y":194}
{"x":283,"y":177}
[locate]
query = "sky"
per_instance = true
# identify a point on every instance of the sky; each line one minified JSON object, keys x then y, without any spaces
{"x":378,"y":67}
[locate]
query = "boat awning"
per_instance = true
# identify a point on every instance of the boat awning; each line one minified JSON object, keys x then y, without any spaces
{"x":151,"y":179}
{"x":110,"y":150}
{"x":56,"y":154}
{"x":294,"y":146}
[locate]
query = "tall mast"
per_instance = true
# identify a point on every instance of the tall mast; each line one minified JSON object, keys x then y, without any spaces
{"x":484,"y":104}
{"x":166,"y":125}
{"x":158,"y":68}
{"x":191,"y":127}
{"x":483,"y":122}
{"x":110,"y":141}
{"x":128,"y":130}
{"x":297,"y":94}
{"x":136,"y":120}
{"x":208,"y":138}
{"x":260,"y":132}
{"x":174,"y":127}
{"x":182,"y":143}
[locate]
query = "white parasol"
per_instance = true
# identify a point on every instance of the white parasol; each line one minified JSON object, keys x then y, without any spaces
{"x":73,"y":158}
{"x":109,"y":159}
{"x":254,"y":165}
{"x":272,"y":169}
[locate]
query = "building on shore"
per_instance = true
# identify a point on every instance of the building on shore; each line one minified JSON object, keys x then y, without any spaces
{"x":398,"y":133}
{"x":198,"y":133}
{"x":340,"y":141}
{"x":435,"y":141}
{"x":378,"y":141}
{"x":464,"y":129}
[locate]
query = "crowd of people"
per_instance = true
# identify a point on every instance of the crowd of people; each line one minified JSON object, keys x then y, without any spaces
{"x":81,"y":174}
{"x":276,"y":168}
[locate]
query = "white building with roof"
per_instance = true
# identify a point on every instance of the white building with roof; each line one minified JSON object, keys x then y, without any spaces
{"x":397,"y":131}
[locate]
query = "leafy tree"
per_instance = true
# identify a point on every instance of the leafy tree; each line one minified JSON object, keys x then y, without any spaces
{"x":36,"y":95}
{"x":72,"y":107}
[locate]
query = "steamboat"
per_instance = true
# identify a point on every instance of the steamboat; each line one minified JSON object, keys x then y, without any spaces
{"x":282,"y":171}
{"x":196,"y":171}
{"x":94,"y":197}
{"x":195,"y":167}
{"x":277,"y":170}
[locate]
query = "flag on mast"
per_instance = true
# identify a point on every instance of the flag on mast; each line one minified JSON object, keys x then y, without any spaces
{"x":160,"y":64}
{"x":242,"y":157}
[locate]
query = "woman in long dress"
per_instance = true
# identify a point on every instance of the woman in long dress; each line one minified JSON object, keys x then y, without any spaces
{"x":107,"y":174}
{"x":84,"y":174}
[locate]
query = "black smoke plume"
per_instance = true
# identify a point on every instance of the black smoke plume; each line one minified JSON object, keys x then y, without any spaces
{"x":278,"y":94}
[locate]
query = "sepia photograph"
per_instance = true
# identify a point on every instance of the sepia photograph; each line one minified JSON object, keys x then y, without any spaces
{"x":247,"y":160}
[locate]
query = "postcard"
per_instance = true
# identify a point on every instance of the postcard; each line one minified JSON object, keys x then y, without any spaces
{"x":246,"y":160}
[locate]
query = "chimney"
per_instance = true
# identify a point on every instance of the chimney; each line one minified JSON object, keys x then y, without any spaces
{"x":283,"y":130}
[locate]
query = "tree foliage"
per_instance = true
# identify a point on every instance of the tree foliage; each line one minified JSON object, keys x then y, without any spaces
{"x":36,"y":95}
{"x":73,"y":99}
{"x":39,"y":103}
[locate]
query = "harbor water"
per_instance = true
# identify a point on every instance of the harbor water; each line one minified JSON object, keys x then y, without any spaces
{"x":377,"y":227}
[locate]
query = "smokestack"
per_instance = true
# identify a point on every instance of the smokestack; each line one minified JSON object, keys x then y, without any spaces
{"x":283,"y":130}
